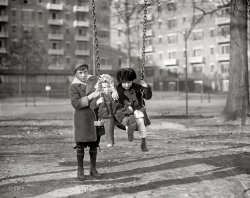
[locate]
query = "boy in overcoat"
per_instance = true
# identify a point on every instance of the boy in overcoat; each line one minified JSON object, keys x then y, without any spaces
{"x":81,"y":93}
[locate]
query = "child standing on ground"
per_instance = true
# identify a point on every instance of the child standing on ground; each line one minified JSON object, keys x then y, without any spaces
{"x":133,"y":114}
{"x":81,"y":93}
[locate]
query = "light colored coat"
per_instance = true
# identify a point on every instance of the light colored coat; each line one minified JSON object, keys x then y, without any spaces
{"x":83,"y":115}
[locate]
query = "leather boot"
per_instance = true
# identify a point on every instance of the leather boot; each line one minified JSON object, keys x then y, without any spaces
{"x":80,"y":157}
{"x":93,"y":172}
{"x":144,"y":145}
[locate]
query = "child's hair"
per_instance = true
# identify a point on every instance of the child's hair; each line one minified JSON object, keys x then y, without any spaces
{"x":125,"y":75}
{"x":105,"y":78}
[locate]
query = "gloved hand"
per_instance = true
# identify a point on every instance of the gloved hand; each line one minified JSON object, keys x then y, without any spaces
{"x":100,"y":100}
{"x":115,"y":95}
{"x":143,"y":83}
{"x":93,"y":95}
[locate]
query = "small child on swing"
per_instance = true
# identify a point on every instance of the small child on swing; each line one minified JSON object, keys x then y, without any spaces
{"x":106,"y":106}
{"x":131,"y":97}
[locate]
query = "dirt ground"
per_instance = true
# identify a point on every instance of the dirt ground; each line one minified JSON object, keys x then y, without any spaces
{"x":195,"y":157}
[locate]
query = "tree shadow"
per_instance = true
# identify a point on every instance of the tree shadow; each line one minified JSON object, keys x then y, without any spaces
{"x":236,"y":163}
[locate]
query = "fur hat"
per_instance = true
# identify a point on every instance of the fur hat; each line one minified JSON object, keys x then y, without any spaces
{"x":78,"y":63}
{"x":126,"y":74}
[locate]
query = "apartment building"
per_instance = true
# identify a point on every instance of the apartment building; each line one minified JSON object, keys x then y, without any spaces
{"x":63,"y":27}
{"x":208,"y":45}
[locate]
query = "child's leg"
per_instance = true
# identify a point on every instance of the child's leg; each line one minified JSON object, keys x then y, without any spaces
{"x":142,"y":133}
{"x":130,"y":124}
{"x":109,"y":125}
{"x":80,"y":157}
{"x":93,"y":155}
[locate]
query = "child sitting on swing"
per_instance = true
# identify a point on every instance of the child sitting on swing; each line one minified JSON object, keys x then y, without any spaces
{"x":106,"y":106}
{"x":133,"y":112}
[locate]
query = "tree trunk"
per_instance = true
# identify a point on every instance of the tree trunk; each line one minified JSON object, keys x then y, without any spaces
{"x":237,"y":105}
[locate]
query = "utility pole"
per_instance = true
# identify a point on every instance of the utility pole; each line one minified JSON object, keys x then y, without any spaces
{"x":186,"y":70}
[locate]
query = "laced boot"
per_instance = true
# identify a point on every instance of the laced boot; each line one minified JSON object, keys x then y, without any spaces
{"x":144,"y":145}
{"x":80,"y":171}
{"x":93,"y":172}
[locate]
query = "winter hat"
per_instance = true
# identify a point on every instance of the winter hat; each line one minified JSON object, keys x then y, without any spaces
{"x":126,"y":74}
{"x":78,"y":63}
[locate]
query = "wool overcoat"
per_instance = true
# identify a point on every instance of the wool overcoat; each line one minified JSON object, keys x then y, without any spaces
{"x":84,"y":113}
{"x":134,"y":97}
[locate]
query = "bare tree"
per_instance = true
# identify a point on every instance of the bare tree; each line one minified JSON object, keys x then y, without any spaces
{"x":128,"y":11}
{"x":237,"y":105}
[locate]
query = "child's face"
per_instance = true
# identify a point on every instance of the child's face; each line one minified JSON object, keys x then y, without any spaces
{"x":127,"y":85}
{"x":82,"y":74}
{"x":106,"y":88}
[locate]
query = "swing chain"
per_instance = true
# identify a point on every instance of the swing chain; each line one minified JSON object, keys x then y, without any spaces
{"x":97,"y":58}
{"x":248,"y":8}
{"x":144,"y":40}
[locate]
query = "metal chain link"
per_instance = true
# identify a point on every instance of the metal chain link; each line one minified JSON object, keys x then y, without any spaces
{"x":144,"y":40}
{"x":97,"y":58}
{"x":248,"y":8}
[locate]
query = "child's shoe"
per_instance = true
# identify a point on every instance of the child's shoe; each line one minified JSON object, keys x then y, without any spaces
{"x":144,"y":145}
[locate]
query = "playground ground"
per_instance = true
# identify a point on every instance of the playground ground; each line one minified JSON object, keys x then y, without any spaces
{"x":196,"y":156}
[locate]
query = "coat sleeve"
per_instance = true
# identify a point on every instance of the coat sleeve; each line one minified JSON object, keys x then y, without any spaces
{"x":77,"y":101}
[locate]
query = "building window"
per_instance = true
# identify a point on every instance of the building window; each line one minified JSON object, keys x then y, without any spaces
{"x":197,"y":35}
{"x":54,"y":45}
{"x":225,"y":49}
{"x":149,"y":58}
{"x":40,"y":15}
{"x":14,"y":13}
{"x":67,"y":16}
{"x":25,"y":1}
{"x":119,"y":33}
{"x":212,"y":68}
{"x":211,"y":32}
{"x":172,"y":39}
{"x":171,"y":6}
{"x":172,"y":55}
{"x":81,"y":45}
{"x":225,"y":67}
{"x":160,"y":40}
{"x":27,"y":16}
{"x":14,"y":28}
{"x":68,"y":45}
{"x":68,"y":60}
{"x":159,"y":8}
{"x":67,"y":31}
{"x":54,"y":15}
{"x":197,"y":52}
{"x":225,"y":30}
{"x":184,"y":20}
{"x":197,"y":68}
{"x":211,"y":50}
{"x":119,"y":46}
{"x":172,"y":23}
{"x":198,"y":17}
{"x":159,"y":24}
{"x":40,"y":29}
{"x":160,"y":55}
